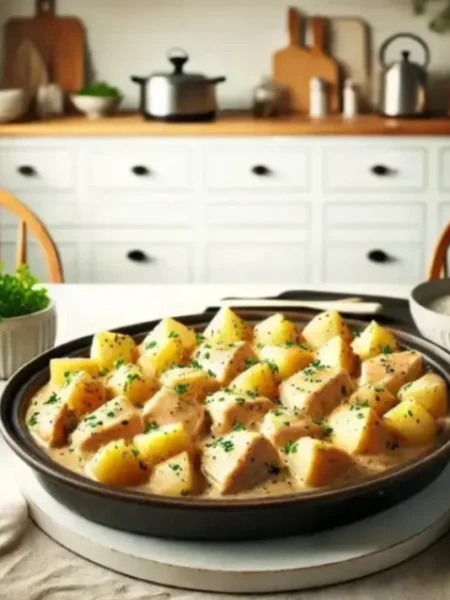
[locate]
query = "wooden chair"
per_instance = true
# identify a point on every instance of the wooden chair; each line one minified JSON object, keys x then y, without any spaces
{"x":439,"y":267}
{"x":28,"y":220}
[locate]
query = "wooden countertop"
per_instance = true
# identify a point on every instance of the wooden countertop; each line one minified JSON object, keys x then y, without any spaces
{"x":232,"y":124}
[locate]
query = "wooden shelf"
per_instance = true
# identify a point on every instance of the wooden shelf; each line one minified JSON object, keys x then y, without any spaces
{"x":231,"y":124}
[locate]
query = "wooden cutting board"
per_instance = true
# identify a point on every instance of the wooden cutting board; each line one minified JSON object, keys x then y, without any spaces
{"x":350,"y":45}
{"x":296,"y":65}
{"x":28,"y":68}
{"x":60,"y":41}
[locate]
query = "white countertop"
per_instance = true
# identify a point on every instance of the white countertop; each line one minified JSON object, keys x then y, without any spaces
{"x":39,"y":569}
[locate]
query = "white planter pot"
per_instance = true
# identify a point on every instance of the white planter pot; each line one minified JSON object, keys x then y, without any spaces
{"x":23,"y":338}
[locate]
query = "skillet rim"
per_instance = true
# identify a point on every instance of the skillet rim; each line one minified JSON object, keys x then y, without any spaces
{"x":13,"y":428}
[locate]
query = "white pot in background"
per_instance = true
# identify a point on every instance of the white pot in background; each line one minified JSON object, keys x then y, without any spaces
{"x":23,"y":338}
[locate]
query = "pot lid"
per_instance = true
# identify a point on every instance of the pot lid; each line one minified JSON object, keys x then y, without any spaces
{"x":179,"y":57}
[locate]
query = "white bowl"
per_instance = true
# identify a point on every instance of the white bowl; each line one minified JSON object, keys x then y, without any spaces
{"x":95,"y":107}
{"x":23,"y":338}
{"x":13,"y":105}
{"x":431,"y":324}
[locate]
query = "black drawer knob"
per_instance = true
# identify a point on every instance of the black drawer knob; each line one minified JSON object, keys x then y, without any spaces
{"x":26,"y":170}
{"x":138,"y":256}
{"x":381,"y":170}
{"x":378,"y":256}
{"x":260,"y":170}
{"x":140,"y":170}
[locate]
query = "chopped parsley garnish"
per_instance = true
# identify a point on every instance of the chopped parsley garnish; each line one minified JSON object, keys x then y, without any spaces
{"x":119,"y":363}
{"x":273,"y":366}
{"x":196,"y":364}
{"x":130,"y":378}
{"x":211,"y":373}
{"x":103,"y":372}
{"x":53,"y":399}
{"x":407,"y":386}
{"x":181,"y":388}
{"x":288,"y":344}
{"x":152,"y":426}
{"x":151,"y":345}
{"x":249,"y":362}
{"x":327,"y":430}
{"x":227,"y":445}
{"x":199,"y":338}
{"x":174,"y":334}
{"x":207,"y":355}
{"x":318,"y":365}
{"x":239,"y":427}
{"x":68,"y":376}
{"x":32,"y":421}
{"x":278,"y":412}
{"x":356,"y":334}
{"x":135,"y":451}
{"x":290,"y":447}
{"x":386,"y":349}
{"x":175,"y":467}
{"x":111,"y":414}
{"x":360,"y":415}
{"x":318,"y":420}
{"x":240,"y":401}
{"x":259,"y":345}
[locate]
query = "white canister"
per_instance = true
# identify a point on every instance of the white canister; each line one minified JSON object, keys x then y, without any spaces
{"x":350,"y":101}
{"x":317,"y":98}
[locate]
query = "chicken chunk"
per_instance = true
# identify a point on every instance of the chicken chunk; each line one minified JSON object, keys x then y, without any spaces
{"x":358,"y":430}
{"x":82,"y":393}
{"x":316,"y":391}
{"x":317,"y":463}
{"x":226,"y":361}
{"x":231,"y":410}
{"x":116,"y":419}
{"x":167,"y":407}
{"x":239,"y":461}
{"x":392,"y":370}
{"x":52,"y":421}
{"x":282,"y":426}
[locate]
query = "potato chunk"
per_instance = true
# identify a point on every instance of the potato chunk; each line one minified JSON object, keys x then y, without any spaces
{"x":116,"y":419}
{"x":226,"y":327}
{"x":316,"y":391}
{"x":324,"y":327}
{"x":392,"y":370}
{"x":167,"y":407}
{"x":358,"y":430}
{"x":239,"y":461}
{"x":430,"y":391}
{"x":82,"y":393}
{"x":411,"y":422}
{"x":317,"y":463}
{"x":374,"y":340}
{"x":282,"y":426}
{"x":190,"y":382}
{"x":229,"y":411}
{"x":109,"y":347}
{"x":287,"y":359}
{"x":376,"y":396}
{"x":337,"y":353}
{"x":118,"y":463}
{"x":61,"y":367}
{"x":157,"y":357}
{"x":170,"y":329}
{"x":52,"y":421}
{"x":129,"y":381}
{"x":174,"y":477}
{"x":160,"y":444}
{"x":258,"y":379}
{"x":225,"y":361}
{"x":275,"y":330}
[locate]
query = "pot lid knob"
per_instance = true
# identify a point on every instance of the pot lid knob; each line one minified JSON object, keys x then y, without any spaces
{"x":178,"y":57}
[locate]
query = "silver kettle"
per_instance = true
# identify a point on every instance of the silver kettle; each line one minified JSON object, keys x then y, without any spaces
{"x":403,"y":89}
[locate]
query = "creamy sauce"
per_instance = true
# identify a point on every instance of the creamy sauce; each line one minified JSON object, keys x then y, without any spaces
{"x":280,"y":484}
{"x":441,"y":305}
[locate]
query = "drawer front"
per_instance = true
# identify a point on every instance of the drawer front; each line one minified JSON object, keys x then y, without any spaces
{"x":380,"y":169}
{"x":257,"y":262}
{"x":144,"y":170}
{"x":59,"y":209}
{"x":375,"y":214}
{"x":36,"y":169}
{"x":361,"y":262}
{"x":140,"y":262}
{"x":445,"y":168}
{"x":257,"y":168}
{"x":258,"y":215}
{"x":111,"y":209}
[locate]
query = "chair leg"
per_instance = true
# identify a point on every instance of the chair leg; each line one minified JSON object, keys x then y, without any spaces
{"x":21,"y":258}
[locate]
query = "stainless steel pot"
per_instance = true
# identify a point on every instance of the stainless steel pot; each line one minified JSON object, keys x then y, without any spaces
{"x":404,"y":82}
{"x":178,"y":96}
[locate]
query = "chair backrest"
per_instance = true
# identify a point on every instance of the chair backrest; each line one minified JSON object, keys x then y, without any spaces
{"x":438,"y":266}
{"x":29,"y":221}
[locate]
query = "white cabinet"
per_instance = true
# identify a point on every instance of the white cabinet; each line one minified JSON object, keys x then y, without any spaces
{"x":233,"y":210}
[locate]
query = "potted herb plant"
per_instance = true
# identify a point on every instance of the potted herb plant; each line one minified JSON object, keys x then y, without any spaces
{"x":97,"y":100}
{"x":27,"y":320}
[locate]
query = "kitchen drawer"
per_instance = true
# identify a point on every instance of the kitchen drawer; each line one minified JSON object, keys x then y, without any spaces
{"x":355,"y":262}
{"x":374,"y":169}
{"x":258,"y":215}
{"x":445,"y":168}
{"x":246,"y":262}
{"x":58,"y":209}
{"x":375,"y":214}
{"x":141,"y":170}
{"x":140,"y":262}
{"x":36,"y":169}
{"x":136,"y":210}
{"x":257,"y":168}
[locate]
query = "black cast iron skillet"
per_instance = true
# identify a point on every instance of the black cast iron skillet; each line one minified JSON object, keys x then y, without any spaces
{"x":205,"y":519}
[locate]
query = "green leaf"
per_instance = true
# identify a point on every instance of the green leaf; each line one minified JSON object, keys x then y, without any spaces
{"x":20,"y":295}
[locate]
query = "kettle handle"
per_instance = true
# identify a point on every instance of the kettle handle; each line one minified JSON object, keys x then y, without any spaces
{"x":411,"y":36}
